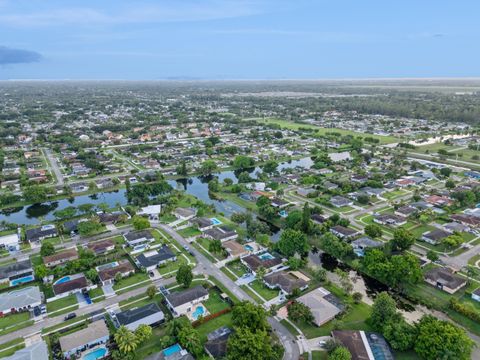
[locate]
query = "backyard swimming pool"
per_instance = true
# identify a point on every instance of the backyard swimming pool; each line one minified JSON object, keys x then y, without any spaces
{"x":62,"y":280}
{"x":215,"y":221}
{"x":21,"y":280}
{"x":172,"y":350}
{"x":266,"y":256}
{"x":248,"y":247}
{"x":199,"y":311}
{"x":98,"y":353}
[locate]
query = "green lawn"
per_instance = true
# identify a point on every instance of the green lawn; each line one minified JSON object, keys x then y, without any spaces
{"x":171,"y":265}
{"x":134,"y":281}
{"x":64,"y":323}
{"x":215,"y":303}
{"x":393,"y":194}
{"x":323,"y":131}
{"x":354,"y":319}
{"x":289,"y":327}
{"x":319,"y":355}
{"x":152,"y":345}
{"x":96,"y":293}
{"x":68,"y":301}
{"x":228,"y":273}
{"x":13,"y":319}
{"x":211,"y":325}
{"x":12,"y":350}
{"x":265,"y":292}
{"x":237,"y":268}
{"x":189,"y":232}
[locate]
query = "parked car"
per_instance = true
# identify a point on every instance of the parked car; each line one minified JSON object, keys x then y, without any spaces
{"x":70,"y":316}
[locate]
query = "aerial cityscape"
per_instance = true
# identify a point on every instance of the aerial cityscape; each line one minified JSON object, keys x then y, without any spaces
{"x":234,"y":210}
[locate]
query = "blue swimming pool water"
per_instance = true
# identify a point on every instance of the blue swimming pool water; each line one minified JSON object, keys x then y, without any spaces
{"x":199,"y":311}
{"x":266,"y":256}
{"x":172,"y":350}
{"x":21,"y":280}
{"x":215,"y":221}
{"x":95,"y":354}
{"x":283,"y":213}
{"x":62,"y":280}
{"x":248,"y":247}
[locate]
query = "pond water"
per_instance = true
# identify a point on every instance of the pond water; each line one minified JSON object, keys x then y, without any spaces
{"x":196,"y":186}
{"x":33,"y":214}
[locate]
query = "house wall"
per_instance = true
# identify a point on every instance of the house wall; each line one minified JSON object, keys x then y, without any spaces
{"x":185,"y":308}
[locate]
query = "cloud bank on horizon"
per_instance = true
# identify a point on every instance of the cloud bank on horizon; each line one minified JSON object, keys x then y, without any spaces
{"x":147,"y":39}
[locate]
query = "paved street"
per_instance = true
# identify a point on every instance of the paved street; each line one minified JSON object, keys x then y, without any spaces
{"x":54,"y":166}
{"x":205,"y":266}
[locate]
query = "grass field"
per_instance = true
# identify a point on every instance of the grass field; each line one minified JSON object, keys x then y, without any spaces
{"x":322,"y":131}
{"x":136,"y":280}
{"x":68,"y":301}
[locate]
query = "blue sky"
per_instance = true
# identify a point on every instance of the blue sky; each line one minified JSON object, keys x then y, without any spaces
{"x":254,"y":39}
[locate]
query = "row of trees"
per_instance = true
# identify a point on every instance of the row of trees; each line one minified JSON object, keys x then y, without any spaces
{"x":431,"y":338}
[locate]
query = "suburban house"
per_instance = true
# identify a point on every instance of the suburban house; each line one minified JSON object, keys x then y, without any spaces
{"x":41,"y":233}
{"x":149,"y":314}
{"x":10,"y":242}
{"x":318,"y":219}
{"x":363,"y":345}
{"x":20,"y":300}
{"x":264,"y":260}
{"x":390,"y":219}
{"x":445,"y":279}
{"x":340,"y":201}
{"x":185,"y":213}
{"x":435,"y":236}
{"x":365,"y":242}
{"x":204,"y":224}
{"x":216,"y":345}
{"x":110,"y":218}
{"x":181,"y":302}
{"x":476,"y":295}
{"x":107,"y":272}
{"x":152,"y":259}
{"x":343,"y":232}
{"x":221,"y":233}
{"x":406,"y":211}
{"x":323,"y":305}
{"x":468,"y":220}
{"x":151,"y":211}
{"x":234,"y":248}
{"x":61,"y":257}
{"x":36,"y":351}
{"x":17,"y":273}
{"x":70,"y":284}
{"x":285,"y":281}
{"x":101,"y":247}
{"x":279,"y":203}
{"x":141,"y":237}
{"x":94,"y":334}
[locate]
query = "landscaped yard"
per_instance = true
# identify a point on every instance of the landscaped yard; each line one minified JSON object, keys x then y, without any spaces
{"x":215,"y":303}
{"x":355,"y":319}
{"x":152,"y":345}
{"x":136,"y":280}
{"x":56,"y":305}
{"x":13,"y":319}
{"x":213,"y":324}
{"x":189,"y":232}
{"x":263,"y":291}
{"x":172,"y":265}
{"x":237,"y":268}
{"x":96,"y":294}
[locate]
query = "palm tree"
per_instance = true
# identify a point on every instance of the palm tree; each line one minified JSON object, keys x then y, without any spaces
{"x":126,"y":340}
